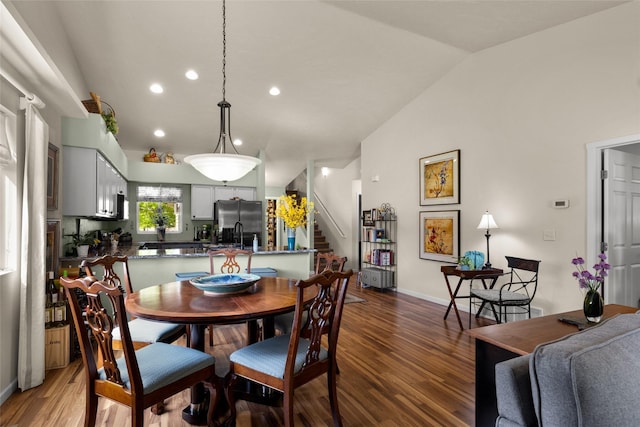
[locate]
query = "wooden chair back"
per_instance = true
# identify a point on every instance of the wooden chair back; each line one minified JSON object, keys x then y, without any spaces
{"x":322,"y":324}
{"x":329,"y":261}
{"x":105,"y":309}
{"x":99,"y":324}
{"x":324,"y":315}
{"x":109,"y":275}
{"x":230,"y":264}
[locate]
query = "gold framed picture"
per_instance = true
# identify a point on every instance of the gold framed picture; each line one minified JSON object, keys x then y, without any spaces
{"x":440,"y":235}
{"x":440,"y":179}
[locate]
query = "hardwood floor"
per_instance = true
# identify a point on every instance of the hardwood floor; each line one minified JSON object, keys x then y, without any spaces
{"x":400,"y":365}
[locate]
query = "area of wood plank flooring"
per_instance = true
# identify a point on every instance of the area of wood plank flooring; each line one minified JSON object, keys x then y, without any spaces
{"x":400,"y":364}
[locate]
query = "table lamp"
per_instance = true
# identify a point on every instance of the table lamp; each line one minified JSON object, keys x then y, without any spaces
{"x":487,"y":222}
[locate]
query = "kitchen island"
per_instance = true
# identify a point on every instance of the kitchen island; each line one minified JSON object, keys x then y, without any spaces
{"x":148,"y":267}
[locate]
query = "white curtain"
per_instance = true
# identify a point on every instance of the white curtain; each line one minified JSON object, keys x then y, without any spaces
{"x":32,"y":247}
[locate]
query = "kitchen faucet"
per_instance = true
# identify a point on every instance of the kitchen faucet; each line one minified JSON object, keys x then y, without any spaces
{"x":238,"y":229}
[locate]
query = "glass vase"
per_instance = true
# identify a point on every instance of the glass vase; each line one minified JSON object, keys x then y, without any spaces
{"x":593,"y":306}
{"x":291,"y":238}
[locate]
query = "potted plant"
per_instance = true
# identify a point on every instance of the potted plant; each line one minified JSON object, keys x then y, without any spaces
{"x":83,"y":242}
{"x":465,"y":263}
{"x":294,"y":213}
{"x":110,"y":122}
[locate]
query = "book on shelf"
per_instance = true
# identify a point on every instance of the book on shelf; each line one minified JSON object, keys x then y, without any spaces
{"x":381,"y":257}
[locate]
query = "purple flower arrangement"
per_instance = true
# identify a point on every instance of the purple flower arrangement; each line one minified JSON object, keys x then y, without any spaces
{"x":585,"y":278}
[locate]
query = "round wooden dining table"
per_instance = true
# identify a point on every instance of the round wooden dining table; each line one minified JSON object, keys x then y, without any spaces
{"x":181,"y":302}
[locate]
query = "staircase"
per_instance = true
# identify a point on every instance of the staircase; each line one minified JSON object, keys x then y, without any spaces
{"x":320,"y":242}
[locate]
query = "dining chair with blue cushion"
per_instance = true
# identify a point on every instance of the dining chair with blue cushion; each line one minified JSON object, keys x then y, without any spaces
{"x":324,"y":261}
{"x":230,"y":265}
{"x":286,"y":362}
{"x":138,"y":378}
{"x":143,"y":332}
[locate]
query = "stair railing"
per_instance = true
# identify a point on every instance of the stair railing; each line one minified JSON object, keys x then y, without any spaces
{"x":330,"y":219}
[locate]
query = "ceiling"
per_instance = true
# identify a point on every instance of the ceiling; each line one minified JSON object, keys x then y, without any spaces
{"x":343,"y":67}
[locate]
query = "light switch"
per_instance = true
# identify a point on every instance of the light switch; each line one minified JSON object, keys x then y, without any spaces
{"x":549,"y":234}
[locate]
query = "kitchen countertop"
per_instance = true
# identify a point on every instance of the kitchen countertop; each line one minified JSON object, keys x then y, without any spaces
{"x":134,"y":252}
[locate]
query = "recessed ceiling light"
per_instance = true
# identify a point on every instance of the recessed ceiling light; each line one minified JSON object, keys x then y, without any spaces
{"x":237,"y":141}
{"x":191,"y":75}
{"x":274,"y":91}
{"x":156,"y":88}
{"x":159,"y":133}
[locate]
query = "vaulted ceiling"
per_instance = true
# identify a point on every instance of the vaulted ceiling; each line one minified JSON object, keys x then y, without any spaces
{"x":343,"y":67}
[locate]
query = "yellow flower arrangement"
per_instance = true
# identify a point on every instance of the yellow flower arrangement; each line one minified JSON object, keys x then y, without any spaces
{"x":293,"y":212}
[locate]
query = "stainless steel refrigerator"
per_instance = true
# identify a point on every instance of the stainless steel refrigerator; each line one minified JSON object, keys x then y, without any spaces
{"x":238,"y":221}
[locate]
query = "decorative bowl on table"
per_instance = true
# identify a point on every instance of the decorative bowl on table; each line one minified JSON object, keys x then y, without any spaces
{"x":223,"y":284}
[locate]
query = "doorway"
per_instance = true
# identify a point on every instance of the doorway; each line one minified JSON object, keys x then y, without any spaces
{"x":613,"y":215}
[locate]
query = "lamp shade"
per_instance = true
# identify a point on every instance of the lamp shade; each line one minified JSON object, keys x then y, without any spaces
{"x":223,"y":167}
{"x":487,"y":222}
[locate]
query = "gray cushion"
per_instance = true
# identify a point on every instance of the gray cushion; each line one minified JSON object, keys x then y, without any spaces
{"x":574,"y":381}
{"x":270,"y":356}
{"x":161,"y":364}
{"x":148,"y":331}
{"x":595,"y":376}
{"x":513,"y":392}
{"x":494,"y":295}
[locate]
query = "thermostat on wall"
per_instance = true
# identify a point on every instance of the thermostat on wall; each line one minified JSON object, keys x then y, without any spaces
{"x":561,"y":204}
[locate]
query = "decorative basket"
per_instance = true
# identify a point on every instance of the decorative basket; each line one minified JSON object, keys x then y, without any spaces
{"x":98,"y":106}
{"x":151,"y":157}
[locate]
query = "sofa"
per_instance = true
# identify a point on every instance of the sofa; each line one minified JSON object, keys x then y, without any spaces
{"x":589,"y":378}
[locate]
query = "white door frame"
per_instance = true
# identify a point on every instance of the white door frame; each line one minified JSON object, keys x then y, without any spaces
{"x":594,"y":191}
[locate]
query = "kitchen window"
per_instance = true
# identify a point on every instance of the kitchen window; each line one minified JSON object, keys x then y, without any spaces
{"x":159,"y":206}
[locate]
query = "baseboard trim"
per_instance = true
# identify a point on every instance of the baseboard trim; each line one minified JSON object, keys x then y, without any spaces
{"x":8,"y":391}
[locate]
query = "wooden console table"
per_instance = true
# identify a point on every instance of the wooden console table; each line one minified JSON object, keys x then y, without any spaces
{"x":490,"y":274}
{"x":497,"y":343}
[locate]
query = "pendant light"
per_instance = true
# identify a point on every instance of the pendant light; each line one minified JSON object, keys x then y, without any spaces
{"x":219,"y":165}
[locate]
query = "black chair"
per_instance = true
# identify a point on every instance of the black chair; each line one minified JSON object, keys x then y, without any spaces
{"x":517,"y":292}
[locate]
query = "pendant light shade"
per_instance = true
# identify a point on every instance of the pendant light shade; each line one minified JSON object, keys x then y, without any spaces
{"x":222,"y":167}
{"x":219,"y":165}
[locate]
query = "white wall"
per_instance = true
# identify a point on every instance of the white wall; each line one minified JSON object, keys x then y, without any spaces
{"x":336,"y":192}
{"x":521,"y":114}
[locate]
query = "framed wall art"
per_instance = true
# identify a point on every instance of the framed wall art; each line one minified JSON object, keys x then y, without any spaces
{"x":53,"y":243}
{"x":440,"y":179}
{"x":440,"y":235}
{"x":367,"y":219}
{"x":52,"y":178}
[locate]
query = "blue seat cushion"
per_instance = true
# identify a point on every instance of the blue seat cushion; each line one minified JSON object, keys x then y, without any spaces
{"x":162,"y":364}
{"x":270,"y":356}
{"x":149,"y":331}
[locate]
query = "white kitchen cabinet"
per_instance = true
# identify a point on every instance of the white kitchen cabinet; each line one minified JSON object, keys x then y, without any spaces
{"x":202,"y":202}
{"x":89,"y":184}
{"x":229,"y":193}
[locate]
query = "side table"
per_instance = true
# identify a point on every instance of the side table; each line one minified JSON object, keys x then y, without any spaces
{"x":488,"y":274}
